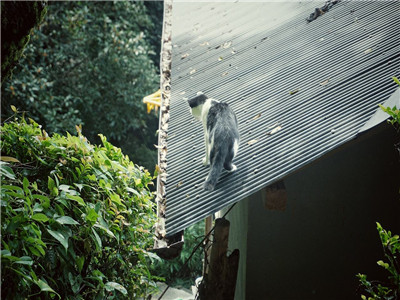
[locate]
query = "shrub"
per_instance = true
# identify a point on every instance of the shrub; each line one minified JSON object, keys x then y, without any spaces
{"x":75,"y":219}
{"x":391,"y":289}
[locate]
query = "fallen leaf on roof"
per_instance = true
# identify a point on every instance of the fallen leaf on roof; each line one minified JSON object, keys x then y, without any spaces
{"x":220,"y":58}
{"x":368,"y":51}
{"x":257,"y":116}
{"x":184,"y":55}
{"x":192,"y":71}
{"x":226,"y":45}
{"x":252,"y":142}
{"x":205,"y":44}
{"x":275,"y":130}
{"x":182,"y":93}
{"x":225,"y":73}
{"x":233,"y":51}
{"x":179,"y":184}
{"x":293,"y":92}
{"x":324,"y":82}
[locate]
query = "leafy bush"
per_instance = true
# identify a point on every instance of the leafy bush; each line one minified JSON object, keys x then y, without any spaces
{"x":389,"y":290}
{"x":173,"y":270}
{"x":90,"y":64}
{"x":75,"y":218}
{"x":394,"y":112}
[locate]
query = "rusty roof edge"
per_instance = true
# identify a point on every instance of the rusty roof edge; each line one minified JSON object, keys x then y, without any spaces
{"x":167,"y":247}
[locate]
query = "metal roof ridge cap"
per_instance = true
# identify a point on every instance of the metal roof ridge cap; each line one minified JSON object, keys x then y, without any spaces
{"x":379,"y":116}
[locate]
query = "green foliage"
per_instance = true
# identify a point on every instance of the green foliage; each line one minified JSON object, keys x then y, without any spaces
{"x":394,"y":112}
{"x":76,"y":218}
{"x":90,"y":64}
{"x":389,"y":290}
{"x":173,"y":270}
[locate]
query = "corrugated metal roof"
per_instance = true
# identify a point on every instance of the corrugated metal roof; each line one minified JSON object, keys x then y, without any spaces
{"x":315,"y":83}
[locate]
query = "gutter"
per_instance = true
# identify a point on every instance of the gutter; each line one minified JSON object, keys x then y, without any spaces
{"x":167,"y":247}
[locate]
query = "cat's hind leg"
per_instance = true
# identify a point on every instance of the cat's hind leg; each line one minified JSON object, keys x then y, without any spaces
{"x":228,"y":165}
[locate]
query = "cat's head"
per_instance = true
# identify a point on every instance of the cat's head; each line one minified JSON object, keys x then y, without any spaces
{"x":196,"y":105}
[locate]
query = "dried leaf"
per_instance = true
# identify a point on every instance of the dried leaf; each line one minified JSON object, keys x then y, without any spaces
{"x":257,"y":116}
{"x":252,"y":142}
{"x":192,"y":71}
{"x":368,"y":51}
{"x":293,"y":92}
{"x":275,"y":130}
{"x":160,"y":146}
{"x":179,"y":184}
{"x":226,"y":45}
{"x":324,"y":82}
{"x":184,"y":55}
{"x":225,"y":73}
{"x":205,"y":44}
{"x":220,"y":58}
{"x":9,"y":159}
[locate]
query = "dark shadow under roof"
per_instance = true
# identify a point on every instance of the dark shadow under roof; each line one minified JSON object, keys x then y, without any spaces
{"x":299,"y":89}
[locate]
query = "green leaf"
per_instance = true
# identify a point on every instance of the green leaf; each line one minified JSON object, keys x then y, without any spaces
{"x":108,"y":231}
{"x":383,"y":264}
{"x":116,"y":199}
{"x":59,"y":237}
{"x":97,"y":240}
{"x":395,"y":79}
{"x":6,"y":171}
{"x":25,"y":260}
{"x":66,"y":220}
{"x":51,"y":184}
{"x":110,"y":286}
{"x":80,"y":262}
{"x":5,"y":253}
{"x":44,"y":287}
{"x":40,"y":217}
{"x":45,"y":201}
{"x":76,"y":198}
{"x":25,"y":185}
{"x":92,"y":216}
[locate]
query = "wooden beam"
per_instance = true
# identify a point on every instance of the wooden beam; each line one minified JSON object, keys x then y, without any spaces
{"x":220,"y":281}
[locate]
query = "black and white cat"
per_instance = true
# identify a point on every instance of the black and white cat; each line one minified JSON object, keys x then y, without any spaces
{"x":221,"y":135}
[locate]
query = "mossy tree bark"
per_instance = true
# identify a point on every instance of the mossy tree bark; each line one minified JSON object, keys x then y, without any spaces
{"x":18,"y":18}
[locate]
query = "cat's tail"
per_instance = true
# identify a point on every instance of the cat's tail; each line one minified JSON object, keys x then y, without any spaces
{"x":215,"y":170}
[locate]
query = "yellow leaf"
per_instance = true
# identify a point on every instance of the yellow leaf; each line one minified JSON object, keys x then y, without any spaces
{"x":325,"y":82}
{"x":14,"y":109}
{"x":252,"y":142}
{"x":257,"y":116}
{"x":275,"y":130}
{"x":9,"y":159}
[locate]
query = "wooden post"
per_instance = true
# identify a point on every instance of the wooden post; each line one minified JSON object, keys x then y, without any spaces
{"x":220,"y":281}
{"x":207,"y":243}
